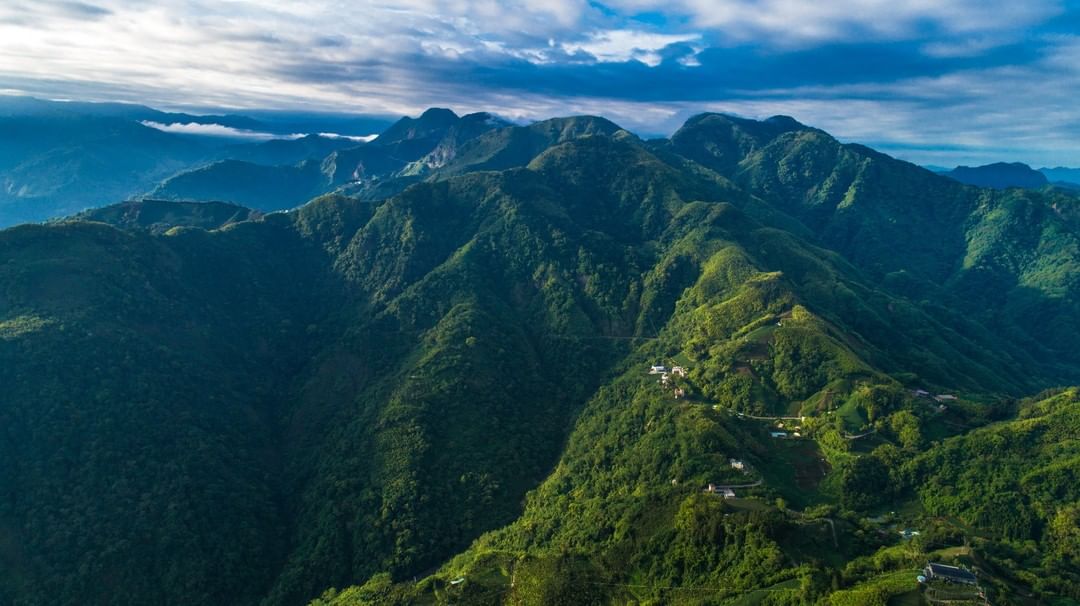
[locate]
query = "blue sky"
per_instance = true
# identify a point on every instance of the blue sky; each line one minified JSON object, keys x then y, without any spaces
{"x":933,"y":81}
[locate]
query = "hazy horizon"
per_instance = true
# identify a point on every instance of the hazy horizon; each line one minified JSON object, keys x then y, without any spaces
{"x":944,"y":83}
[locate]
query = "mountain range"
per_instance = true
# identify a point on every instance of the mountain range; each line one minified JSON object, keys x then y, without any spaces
{"x":57,"y":159}
{"x":1002,"y":175}
{"x":546,"y":364}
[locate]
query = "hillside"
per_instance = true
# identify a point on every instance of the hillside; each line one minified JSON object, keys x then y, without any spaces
{"x":452,"y":384}
{"x":265,"y":188}
{"x":159,"y":216}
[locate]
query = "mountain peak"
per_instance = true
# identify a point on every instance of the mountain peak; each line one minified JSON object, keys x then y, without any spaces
{"x":720,"y":141}
{"x":439,"y":113}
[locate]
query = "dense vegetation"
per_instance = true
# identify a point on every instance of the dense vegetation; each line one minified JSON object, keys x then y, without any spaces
{"x":444,"y":396}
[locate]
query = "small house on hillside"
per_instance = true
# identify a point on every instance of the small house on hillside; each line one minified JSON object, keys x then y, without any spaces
{"x":680,"y":393}
{"x":658,"y":369}
{"x":921,"y":393}
{"x":949,"y":574}
{"x":945,"y":397}
{"x":737,"y":464}
{"x":678,"y":371}
{"x":722,"y":492}
{"x":778,"y":434}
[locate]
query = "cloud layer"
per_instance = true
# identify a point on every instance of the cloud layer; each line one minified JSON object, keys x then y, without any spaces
{"x":930,"y":80}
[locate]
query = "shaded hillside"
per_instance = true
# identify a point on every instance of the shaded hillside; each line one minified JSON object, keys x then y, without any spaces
{"x":279,"y":152}
{"x":266,"y":188}
{"x":59,"y":165}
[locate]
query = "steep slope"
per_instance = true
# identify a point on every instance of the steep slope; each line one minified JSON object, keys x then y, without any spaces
{"x":279,"y":152}
{"x":960,"y":245}
{"x":140,"y":380}
{"x":517,"y":145}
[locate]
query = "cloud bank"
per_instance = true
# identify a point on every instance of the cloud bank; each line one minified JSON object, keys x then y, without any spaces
{"x":215,"y":130}
{"x":940,"y":81}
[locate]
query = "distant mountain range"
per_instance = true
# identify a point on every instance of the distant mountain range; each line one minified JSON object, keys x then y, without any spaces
{"x":60,"y":158}
{"x":544,"y":364}
{"x":1002,"y":175}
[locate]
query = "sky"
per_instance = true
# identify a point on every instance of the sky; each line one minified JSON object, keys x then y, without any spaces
{"x":941,"y":82}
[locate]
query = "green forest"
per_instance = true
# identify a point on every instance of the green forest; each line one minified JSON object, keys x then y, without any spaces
{"x":451,"y":395}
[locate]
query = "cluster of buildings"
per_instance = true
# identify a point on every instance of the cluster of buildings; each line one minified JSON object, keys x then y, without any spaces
{"x":666,"y":375}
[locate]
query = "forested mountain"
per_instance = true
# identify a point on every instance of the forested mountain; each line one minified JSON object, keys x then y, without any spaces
{"x":159,"y":216}
{"x":409,"y":149}
{"x":444,"y":396}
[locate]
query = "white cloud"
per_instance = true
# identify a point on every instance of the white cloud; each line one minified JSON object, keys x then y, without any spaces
{"x":624,"y":45}
{"x":361,"y":139}
{"x":216,"y":130}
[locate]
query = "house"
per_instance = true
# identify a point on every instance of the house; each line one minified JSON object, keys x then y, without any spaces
{"x":678,"y":371}
{"x":921,"y":393}
{"x":680,"y":393}
{"x":908,"y":533}
{"x":945,"y":397}
{"x":458,"y":581}
{"x":778,"y":434}
{"x":949,"y":574}
{"x":657,"y":370}
{"x":737,"y":464}
{"x":720,"y":491}
{"x":664,"y":378}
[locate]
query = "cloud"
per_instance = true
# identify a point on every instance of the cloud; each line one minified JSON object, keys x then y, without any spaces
{"x":220,"y":130}
{"x":362,"y":139}
{"x":627,"y":45}
{"x":217,"y":130}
